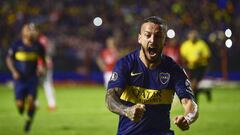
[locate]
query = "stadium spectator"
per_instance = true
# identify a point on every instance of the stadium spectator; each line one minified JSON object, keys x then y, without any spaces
{"x":47,"y":80}
{"x":143,"y":83}
{"x":63,"y":22}
{"x":22,"y":62}
{"x":195,"y":56}
{"x":172,"y":50}
{"x":108,"y":58}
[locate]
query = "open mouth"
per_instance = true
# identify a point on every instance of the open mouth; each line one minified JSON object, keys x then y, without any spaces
{"x":152,"y":51}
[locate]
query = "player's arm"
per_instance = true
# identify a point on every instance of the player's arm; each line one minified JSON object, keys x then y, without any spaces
{"x":100,"y":63}
{"x":42,"y":66}
{"x":190,"y":114}
{"x":114,"y":104}
{"x":190,"y":109}
{"x":185,"y":93}
{"x":10,"y":65}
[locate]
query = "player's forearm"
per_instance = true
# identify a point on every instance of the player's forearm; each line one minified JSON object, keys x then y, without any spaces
{"x":10,"y":65}
{"x":191,"y":110}
{"x":100,"y":64}
{"x":113,"y":101}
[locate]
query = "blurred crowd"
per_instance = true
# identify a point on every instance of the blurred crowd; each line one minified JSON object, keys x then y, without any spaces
{"x":77,"y":41}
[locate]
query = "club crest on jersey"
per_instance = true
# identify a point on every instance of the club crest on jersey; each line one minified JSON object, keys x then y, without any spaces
{"x":164,"y":77}
{"x":114,"y":76}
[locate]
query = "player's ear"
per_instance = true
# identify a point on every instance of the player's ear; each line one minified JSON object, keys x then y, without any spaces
{"x":139,"y":38}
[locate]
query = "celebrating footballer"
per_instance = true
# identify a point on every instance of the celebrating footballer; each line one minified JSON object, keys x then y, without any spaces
{"x":143,"y":84}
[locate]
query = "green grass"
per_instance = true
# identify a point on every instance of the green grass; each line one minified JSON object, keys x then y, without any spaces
{"x":81,"y":111}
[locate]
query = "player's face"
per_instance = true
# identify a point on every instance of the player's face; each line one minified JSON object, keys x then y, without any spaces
{"x":29,"y":32}
{"x":151,"y":38}
{"x":192,"y":35}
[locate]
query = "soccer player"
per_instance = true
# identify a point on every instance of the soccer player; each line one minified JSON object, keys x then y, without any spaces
{"x":22,"y":62}
{"x":195,"y":55}
{"x":47,"y":80}
{"x":108,"y":58}
{"x":143,"y":84}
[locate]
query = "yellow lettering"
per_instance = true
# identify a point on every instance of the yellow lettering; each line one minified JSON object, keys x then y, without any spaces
{"x":147,"y":96}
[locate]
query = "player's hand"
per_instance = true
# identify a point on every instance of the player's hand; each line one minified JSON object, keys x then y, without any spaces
{"x":181,"y":122}
{"x":41,"y":71}
{"x":16,"y":75}
{"x":136,"y":112}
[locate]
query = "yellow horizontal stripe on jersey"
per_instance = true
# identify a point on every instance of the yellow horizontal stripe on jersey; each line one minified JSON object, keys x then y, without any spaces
{"x":135,"y":95}
{"x":26,"y":56}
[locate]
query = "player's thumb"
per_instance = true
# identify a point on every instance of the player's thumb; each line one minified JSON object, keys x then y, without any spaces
{"x":141,"y":106}
{"x":175,"y":120}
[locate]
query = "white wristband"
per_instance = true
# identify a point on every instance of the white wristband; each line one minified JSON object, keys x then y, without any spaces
{"x":192,"y":116}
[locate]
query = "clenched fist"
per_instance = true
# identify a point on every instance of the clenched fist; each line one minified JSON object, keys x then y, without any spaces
{"x":136,"y":112}
{"x":181,"y":122}
{"x":16,"y":75}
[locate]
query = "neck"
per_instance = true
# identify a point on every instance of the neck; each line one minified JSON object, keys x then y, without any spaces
{"x":27,"y":41}
{"x":147,"y":63}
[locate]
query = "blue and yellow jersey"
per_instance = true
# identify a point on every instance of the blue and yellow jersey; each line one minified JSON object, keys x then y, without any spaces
{"x":154,"y":88}
{"x":25,"y":57}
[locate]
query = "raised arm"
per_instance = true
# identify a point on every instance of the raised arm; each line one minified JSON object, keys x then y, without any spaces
{"x":100,"y":63}
{"x":190,"y":114}
{"x":114,"y":104}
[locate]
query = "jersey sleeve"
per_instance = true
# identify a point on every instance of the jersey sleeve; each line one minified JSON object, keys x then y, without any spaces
{"x":182,"y":84}
{"x":11,"y":50}
{"x":119,"y":76}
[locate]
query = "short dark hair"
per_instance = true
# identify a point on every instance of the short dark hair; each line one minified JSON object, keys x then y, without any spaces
{"x":156,"y":20}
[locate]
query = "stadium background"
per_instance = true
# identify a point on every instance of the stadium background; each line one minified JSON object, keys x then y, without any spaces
{"x":77,"y":41}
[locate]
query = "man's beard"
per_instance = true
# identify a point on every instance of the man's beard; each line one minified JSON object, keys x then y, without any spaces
{"x":148,"y":59}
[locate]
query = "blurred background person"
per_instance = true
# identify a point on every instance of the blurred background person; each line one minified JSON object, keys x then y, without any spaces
{"x":195,"y":55}
{"x":172,"y":50}
{"x":22,"y":62}
{"x":47,"y":79}
{"x":107,"y":59}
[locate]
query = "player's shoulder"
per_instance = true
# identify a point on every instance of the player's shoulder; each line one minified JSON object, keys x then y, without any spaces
{"x":167,"y":59}
{"x":130,"y":57}
{"x":186,"y":42}
{"x":168,"y":62}
{"x":16,"y":44}
{"x":171,"y":66}
{"x":128,"y":60}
